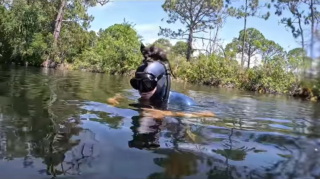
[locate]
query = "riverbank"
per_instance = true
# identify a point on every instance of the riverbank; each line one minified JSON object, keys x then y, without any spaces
{"x":256,"y":80}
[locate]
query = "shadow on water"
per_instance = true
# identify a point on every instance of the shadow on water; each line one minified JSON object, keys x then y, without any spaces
{"x":57,"y":124}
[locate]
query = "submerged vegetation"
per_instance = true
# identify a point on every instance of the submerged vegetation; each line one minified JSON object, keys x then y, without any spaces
{"x":56,"y":34}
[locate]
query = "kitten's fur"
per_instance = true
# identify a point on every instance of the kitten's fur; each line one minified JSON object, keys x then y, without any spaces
{"x":155,"y":53}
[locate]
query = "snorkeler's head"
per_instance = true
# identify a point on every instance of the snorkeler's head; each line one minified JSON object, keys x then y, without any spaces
{"x":152,"y":81}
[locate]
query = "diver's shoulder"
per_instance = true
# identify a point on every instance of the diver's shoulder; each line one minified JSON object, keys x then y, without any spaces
{"x":177,"y":97}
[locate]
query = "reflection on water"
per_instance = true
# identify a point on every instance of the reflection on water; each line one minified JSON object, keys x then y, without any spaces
{"x":57,"y":124}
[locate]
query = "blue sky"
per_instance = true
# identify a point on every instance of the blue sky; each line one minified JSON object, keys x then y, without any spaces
{"x":147,"y":15}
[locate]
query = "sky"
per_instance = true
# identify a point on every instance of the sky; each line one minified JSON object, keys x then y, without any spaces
{"x":147,"y":15}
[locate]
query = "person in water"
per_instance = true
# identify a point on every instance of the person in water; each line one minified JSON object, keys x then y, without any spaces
{"x":153,"y":81}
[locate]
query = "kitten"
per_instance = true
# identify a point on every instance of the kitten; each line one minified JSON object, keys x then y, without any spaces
{"x":155,"y":53}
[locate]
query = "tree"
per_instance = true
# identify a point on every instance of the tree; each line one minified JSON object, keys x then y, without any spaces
{"x":196,"y":15}
{"x":250,"y":8}
{"x":295,"y":9}
{"x":4,"y":44}
{"x":299,"y":18}
{"x":271,"y":49}
{"x":72,"y":11}
{"x":254,"y":40}
{"x":312,"y":18}
{"x":113,"y":51}
{"x":165,"y":44}
{"x":22,"y":23}
{"x":298,"y":60}
{"x":180,"y":48}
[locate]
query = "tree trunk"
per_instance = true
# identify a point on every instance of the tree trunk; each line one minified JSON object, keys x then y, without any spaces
{"x":215,"y":39}
{"x":302,"y":43}
{"x":58,"y":25}
{"x":56,"y":32}
{"x":312,"y":27}
{"x":244,"y":35}
{"x":249,"y":57}
{"x":209,"y":48}
{"x":312,"y":33}
{"x":190,"y":39}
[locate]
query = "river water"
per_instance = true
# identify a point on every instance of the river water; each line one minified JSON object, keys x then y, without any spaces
{"x":57,"y":124}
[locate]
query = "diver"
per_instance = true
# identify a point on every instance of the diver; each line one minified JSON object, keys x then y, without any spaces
{"x":152,"y":80}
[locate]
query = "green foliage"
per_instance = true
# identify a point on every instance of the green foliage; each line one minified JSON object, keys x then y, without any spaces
{"x":114,"y":51}
{"x":26,"y":30}
{"x":180,"y":48}
{"x":271,"y":49}
{"x":270,"y":78}
{"x":219,"y":71}
{"x":215,"y":70}
{"x":22,"y":29}
{"x":297,"y":60}
{"x":163,"y":43}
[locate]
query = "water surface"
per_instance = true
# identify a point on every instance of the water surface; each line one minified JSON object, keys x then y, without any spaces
{"x":57,"y":124}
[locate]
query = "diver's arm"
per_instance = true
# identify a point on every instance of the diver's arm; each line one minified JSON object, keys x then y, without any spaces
{"x":159,"y":114}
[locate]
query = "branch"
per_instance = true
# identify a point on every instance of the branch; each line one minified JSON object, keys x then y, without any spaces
{"x":197,"y":31}
{"x":224,"y":52}
{"x":197,"y":15}
{"x":172,"y":34}
{"x":203,"y":38}
{"x":103,"y":2}
{"x":176,"y":13}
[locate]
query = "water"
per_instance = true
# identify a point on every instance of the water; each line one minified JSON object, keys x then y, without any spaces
{"x":58,"y":123}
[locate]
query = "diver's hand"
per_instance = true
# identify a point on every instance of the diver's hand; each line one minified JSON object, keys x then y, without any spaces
{"x":115,"y":100}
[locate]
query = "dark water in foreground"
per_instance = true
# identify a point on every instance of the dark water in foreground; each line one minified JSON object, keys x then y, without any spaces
{"x":79,"y":136}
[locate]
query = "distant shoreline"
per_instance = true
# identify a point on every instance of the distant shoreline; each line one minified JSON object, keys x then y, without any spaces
{"x":300,"y":93}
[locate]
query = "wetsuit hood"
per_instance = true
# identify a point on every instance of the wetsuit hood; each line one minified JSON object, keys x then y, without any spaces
{"x":159,"y":70}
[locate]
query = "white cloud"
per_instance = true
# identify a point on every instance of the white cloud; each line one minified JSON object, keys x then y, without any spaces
{"x":147,"y":28}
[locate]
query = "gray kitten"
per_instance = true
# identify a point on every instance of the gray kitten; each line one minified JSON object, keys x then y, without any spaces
{"x":155,"y":53}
